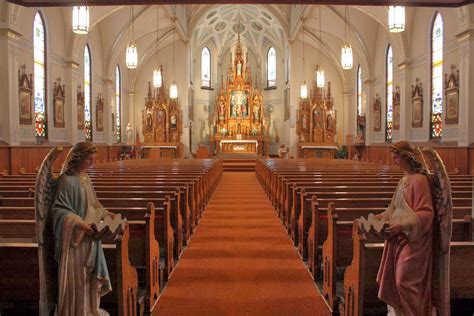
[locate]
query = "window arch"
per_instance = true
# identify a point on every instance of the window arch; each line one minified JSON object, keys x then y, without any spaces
{"x":437,"y":77}
{"x":118,"y":103}
{"x":206,"y":67}
{"x":389,"y":93}
{"x":359,"y":91}
{"x":39,"y":56}
{"x":271,"y":67}
{"x":87,"y":93}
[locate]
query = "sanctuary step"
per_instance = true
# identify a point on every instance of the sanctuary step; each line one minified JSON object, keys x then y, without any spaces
{"x":238,"y":165}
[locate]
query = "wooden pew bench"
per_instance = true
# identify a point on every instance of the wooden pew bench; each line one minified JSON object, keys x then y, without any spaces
{"x":19,"y":284}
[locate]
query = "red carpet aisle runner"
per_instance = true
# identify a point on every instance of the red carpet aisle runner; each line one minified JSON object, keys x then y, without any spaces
{"x":240,"y":261}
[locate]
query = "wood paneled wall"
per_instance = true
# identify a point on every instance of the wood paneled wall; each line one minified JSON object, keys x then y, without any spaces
{"x":13,"y":159}
{"x":460,"y":158}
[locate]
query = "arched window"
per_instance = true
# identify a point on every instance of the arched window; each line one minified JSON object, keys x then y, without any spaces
{"x":87,"y":93}
{"x":118,"y":103}
{"x":359,"y":91}
{"x":389,"y":93}
{"x":271,"y":67}
{"x":39,"y":43}
{"x":437,"y":77}
{"x":206,"y":67}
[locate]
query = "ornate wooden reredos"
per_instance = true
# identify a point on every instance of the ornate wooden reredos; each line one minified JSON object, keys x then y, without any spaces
{"x":239,"y":107}
{"x":162,"y":118}
{"x":316,"y":117}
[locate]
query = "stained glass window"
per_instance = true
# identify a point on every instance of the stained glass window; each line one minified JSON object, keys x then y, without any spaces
{"x":87,"y":93}
{"x":39,"y":44}
{"x":437,"y":77}
{"x":389,"y":94}
{"x":206,"y":67}
{"x":359,"y":91}
{"x":271,"y":67}
{"x":118,"y":103}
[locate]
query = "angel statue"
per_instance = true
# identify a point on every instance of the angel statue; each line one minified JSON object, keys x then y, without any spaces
{"x":73,"y":271}
{"x":414,"y":269}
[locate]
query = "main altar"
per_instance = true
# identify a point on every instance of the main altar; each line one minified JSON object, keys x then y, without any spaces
{"x":316,"y":125}
{"x":238,"y":124}
{"x":162,"y":125}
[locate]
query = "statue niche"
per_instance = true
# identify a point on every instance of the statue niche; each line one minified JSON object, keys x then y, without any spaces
{"x":161,"y":118}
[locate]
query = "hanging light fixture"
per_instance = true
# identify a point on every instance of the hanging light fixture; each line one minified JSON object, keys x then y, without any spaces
{"x":174,"y":87}
{"x":396,"y":19}
{"x":320,"y":79}
{"x":157,"y":76}
{"x":304,"y":87}
{"x":131,"y":54}
{"x":80,"y":19}
{"x":346,"y":50}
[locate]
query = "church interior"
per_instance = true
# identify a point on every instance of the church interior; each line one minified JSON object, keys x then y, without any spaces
{"x":246,"y":143}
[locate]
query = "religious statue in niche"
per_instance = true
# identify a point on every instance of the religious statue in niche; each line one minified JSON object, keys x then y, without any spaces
{"x":58,"y":103}
{"x":396,"y":108}
{"x":330,"y":121}
{"x":317,"y":117}
{"x":160,"y":118}
{"x":452,"y":96}
{"x":377,"y":114}
{"x":173,"y":121}
{"x":99,"y":108}
{"x":25,"y":96}
{"x":360,"y":136}
{"x":129,"y":133}
{"x":239,"y":68}
{"x":221,"y":110}
{"x":256,"y":109}
{"x":80,"y":109}
{"x":304,"y":122}
{"x":239,"y":104}
{"x":417,"y":104}
{"x":149,"y":120}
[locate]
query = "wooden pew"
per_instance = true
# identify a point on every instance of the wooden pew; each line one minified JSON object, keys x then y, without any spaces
{"x":337,"y":248}
{"x":361,"y":289}
{"x":19,"y":284}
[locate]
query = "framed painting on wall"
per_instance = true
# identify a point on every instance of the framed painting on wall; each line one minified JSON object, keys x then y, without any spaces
{"x":58,"y":103}
{"x":417,"y":104}
{"x":80,"y":109}
{"x":99,"y":109}
{"x":25,"y":96}
{"x":396,"y":108}
{"x":377,"y":114}
{"x":452,"y":96}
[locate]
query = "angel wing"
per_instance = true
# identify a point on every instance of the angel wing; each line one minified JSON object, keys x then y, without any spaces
{"x":442,"y":197}
{"x":442,"y":227}
{"x":66,"y":162}
{"x":45,"y":190}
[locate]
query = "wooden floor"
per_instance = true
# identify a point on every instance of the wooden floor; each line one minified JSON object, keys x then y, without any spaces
{"x":240,"y":261}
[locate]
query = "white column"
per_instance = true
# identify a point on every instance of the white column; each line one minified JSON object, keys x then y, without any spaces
{"x":345,"y":119}
{"x":72,"y":82}
{"x":369,"y":110}
{"x":466,"y":88}
{"x":405,"y":100}
{"x":9,"y":107}
{"x":110,"y":137}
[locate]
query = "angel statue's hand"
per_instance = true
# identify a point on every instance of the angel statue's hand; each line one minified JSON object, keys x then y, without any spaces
{"x":393,"y":230}
{"x":379,"y":216}
{"x":87,"y":228}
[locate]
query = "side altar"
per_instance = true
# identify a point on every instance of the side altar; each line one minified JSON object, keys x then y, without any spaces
{"x":238,"y":124}
{"x":316,"y":125}
{"x":162,"y":125}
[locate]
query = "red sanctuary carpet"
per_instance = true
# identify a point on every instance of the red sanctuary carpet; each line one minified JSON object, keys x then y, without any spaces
{"x":240,"y":261}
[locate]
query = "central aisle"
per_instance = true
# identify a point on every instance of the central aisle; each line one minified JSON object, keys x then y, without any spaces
{"x":240,"y":261}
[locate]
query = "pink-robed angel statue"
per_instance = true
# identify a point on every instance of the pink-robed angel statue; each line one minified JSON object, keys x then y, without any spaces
{"x":414,"y":270}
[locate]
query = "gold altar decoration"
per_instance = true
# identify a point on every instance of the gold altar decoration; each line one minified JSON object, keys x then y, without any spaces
{"x":316,"y":123}
{"x":162,"y":120}
{"x":238,"y":112}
